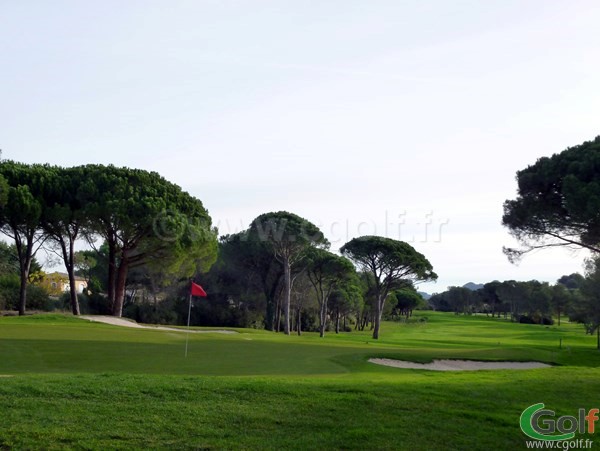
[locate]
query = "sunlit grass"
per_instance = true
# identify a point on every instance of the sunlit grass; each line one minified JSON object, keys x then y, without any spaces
{"x":79,"y":385}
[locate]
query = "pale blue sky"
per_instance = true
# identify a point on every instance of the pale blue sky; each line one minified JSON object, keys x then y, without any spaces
{"x":351,"y":114}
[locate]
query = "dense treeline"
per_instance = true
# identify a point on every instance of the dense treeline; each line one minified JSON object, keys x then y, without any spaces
{"x":143,"y":220}
{"x":249,"y":282}
{"x":149,"y":237}
{"x":533,"y":302}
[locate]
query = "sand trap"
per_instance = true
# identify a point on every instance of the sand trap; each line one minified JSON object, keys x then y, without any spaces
{"x":459,"y":365}
{"x":115,"y":321}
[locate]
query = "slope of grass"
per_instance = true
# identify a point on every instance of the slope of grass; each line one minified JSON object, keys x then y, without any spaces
{"x":63,"y":344}
{"x":80,"y":385}
{"x":411,"y":410}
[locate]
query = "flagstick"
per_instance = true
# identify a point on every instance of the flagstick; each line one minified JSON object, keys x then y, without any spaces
{"x":187,"y":335}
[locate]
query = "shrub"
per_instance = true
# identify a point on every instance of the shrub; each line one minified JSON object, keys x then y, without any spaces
{"x":37,"y":298}
{"x":160,"y":313}
{"x":89,"y":304}
{"x":9,"y":291}
{"x":536,"y":319}
{"x":524,"y":319}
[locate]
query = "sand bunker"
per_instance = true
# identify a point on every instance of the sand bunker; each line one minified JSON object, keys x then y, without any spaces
{"x":115,"y":321}
{"x":459,"y":365}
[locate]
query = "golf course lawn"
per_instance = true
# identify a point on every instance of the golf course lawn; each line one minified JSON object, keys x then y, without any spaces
{"x":71,"y":384}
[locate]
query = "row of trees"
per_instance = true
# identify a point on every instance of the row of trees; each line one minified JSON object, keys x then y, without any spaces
{"x":282,"y":264}
{"x":246,"y":288}
{"x":154,"y":235}
{"x":142,"y":219}
{"x":151,"y":228}
{"x":531,"y":301}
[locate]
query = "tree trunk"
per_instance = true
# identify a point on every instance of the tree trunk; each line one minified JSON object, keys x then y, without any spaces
{"x":299,"y":322}
{"x":25,"y":259}
{"x":278,"y":314}
{"x":337,"y":322}
{"x":154,"y":291}
{"x":73,"y":293}
{"x":112,"y":271}
{"x":559,"y":317}
{"x":120,"y":288}
{"x":377,"y":319}
{"x":270,"y":314}
{"x":287,"y":292}
{"x":272,"y":296}
{"x":68,"y":257}
{"x":23,"y":292}
{"x":322,"y":316}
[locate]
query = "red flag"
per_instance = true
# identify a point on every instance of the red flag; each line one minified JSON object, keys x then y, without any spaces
{"x":197,"y":290}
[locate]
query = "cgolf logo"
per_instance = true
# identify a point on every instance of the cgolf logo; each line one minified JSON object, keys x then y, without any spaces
{"x":540,"y":424}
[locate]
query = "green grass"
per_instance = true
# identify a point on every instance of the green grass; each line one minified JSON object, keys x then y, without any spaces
{"x":80,"y":385}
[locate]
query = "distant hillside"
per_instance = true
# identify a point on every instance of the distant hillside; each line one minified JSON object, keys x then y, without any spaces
{"x":424,"y":295}
{"x":473,"y":286}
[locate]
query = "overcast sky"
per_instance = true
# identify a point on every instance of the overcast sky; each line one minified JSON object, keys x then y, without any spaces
{"x":400,"y":118}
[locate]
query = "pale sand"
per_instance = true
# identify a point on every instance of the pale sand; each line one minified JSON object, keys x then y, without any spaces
{"x":115,"y":321}
{"x":459,"y":365}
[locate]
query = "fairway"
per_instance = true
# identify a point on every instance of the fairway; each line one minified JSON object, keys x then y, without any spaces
{"x":81,"y":385}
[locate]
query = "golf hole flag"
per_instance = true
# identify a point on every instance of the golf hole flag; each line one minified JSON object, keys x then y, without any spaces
{"x":197,"y":290}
